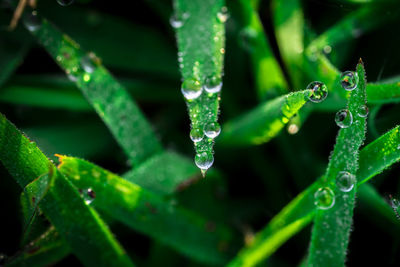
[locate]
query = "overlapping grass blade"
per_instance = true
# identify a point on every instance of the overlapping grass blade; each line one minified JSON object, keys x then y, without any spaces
{"x":201,"y":45}
{"x":80,"y":226}
{"x":265,"y":121}
{"x":151,"y":214}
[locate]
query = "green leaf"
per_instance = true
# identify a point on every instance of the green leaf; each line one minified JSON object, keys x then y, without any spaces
{"x":265,"y":121}
{"x":80,"y":226}
{"x":151,"y":214}
{"x":331,"y":229}
{"x":109,"y":98}
{"x":201,"y":44}
{"x":269,"y":78}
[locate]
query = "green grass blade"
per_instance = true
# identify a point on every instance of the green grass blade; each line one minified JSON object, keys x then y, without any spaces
{"x":265,"y":121}
{"x":109,"y":98}
{"x":151,"y":214}
{"x":201,"y":45}
{"x":331,"y":229}
{"x":163,"y":173}
{"x":269,"y":78}
{"x":48,"y":249}
{"x":381,"y":93}
{"x":81,"y":227}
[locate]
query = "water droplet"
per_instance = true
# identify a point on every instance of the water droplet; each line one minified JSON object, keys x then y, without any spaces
{"x":349,"y":80}
{"x":204,"y":160}
{"x":319,"y":91}
{"x":345,"y":181}
{"x":65,"y":2}
{"x":223,"y":14}
{"x":327,"y":49}
{"x":344,"y":118}
{"x":191,"y":89}
{"x":88,"y":63}
{"x":213,"y":84}
{"x":292,"y":128}
{"x":177,"y":20}
{"x":32,"y":21}
{"x":212,"y":129}
{"x":196,"y":134}
{"x":88,"y":195}
{"x":324,"y":198}
{"x":363,"y":111}
{"x":248,"y":39}
{"x":3,"y":258}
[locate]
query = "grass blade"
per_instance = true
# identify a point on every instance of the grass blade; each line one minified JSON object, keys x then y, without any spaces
{"x":265,"y":121}
{"x":151,"y":214}
{"x":201,"y":44}
{"x":80,"y":226}
{"x":332,"y":224}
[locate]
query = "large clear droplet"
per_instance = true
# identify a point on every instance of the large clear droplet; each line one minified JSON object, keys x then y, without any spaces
{"x":324,"y":198}
{"x":363,"y":111}
{"x":212,"y":129}
{"x":319,"y":91}
{"x":191,"y":89}
{"x":349,"y":80}
{"x":204,"y":160}
{"x":345,"y":181}
{"x":196,"y":134}
{"x":65,"y":2}
{"x":344,"y":118}
{"x":213,"y":84}
{"x":32,"y":21}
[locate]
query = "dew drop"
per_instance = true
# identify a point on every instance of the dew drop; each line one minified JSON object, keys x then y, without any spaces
{"x":319,"y":91}
{"x":65,"y":2}
{"x":223,"y":15}
{"x":344,"y":118}
{"x":177,"y":20}
{"x":3,"y":258}
{"x":212,"y":129}
{"x":32,"y":21}
{"x":345,"y":181}
{"x":213,"y":84}
{"x":248,"y":39}
{"x":349,"y":80}
{"x":88,"y":195}
{"x":196,"y":134}
{"x":88,"y":63}
{"x":204,"y":160}
{"x":191,"y":89}
{"x":363,"y":111}
{"x":324,"y":198}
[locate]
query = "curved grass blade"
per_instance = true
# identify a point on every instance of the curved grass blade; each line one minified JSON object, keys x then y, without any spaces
{"x":331,"y":229}
{"x":80,"y":226}
{"x":151,"y":214}
{"x":303,"y":205}
{"x":265,"y":121}
{"x":109,"y":98}
{"x":269,"y":78}
{"x":201,"y":45}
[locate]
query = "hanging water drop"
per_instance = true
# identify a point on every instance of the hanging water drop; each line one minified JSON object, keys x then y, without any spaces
{"x":344,"y":118}
{"x":213,"y":84}
{"x":345,"y":181}
{"x":319,"y":91}
{"x":196,"y":134}
{"x":65,"y":2}
{"x":363,"y":111}
{"x":212,"y":129}
{"x":191,"y":89}
{"x":204,"y":160}
{"x":88,"y":195}
{"x":32,"y":21}
{"x":223,"y":15}
{"x":349,"y":80}
{"x":324,"y":198}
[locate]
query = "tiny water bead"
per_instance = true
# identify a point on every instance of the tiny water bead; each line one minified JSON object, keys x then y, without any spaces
{"x":178,"y":20}
{"x":204,"y":160}
{"x":212,"y":129}
{"x":196,"y":134}
{"x":324,"y":198}
{"x":88,"y":195}
{"x":363,"y":111}
{"x":32,"y":21}
{"x":223,"y":15}
{"x":87,"y":64}
{"x":319,"y":91}
{"x":191,"y":89}
{"x":345,"y":181}
{"x":349,"y":80}
{"x":65,"y":2}
{"x":213,"y":84}
{"x":344,"y":118}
